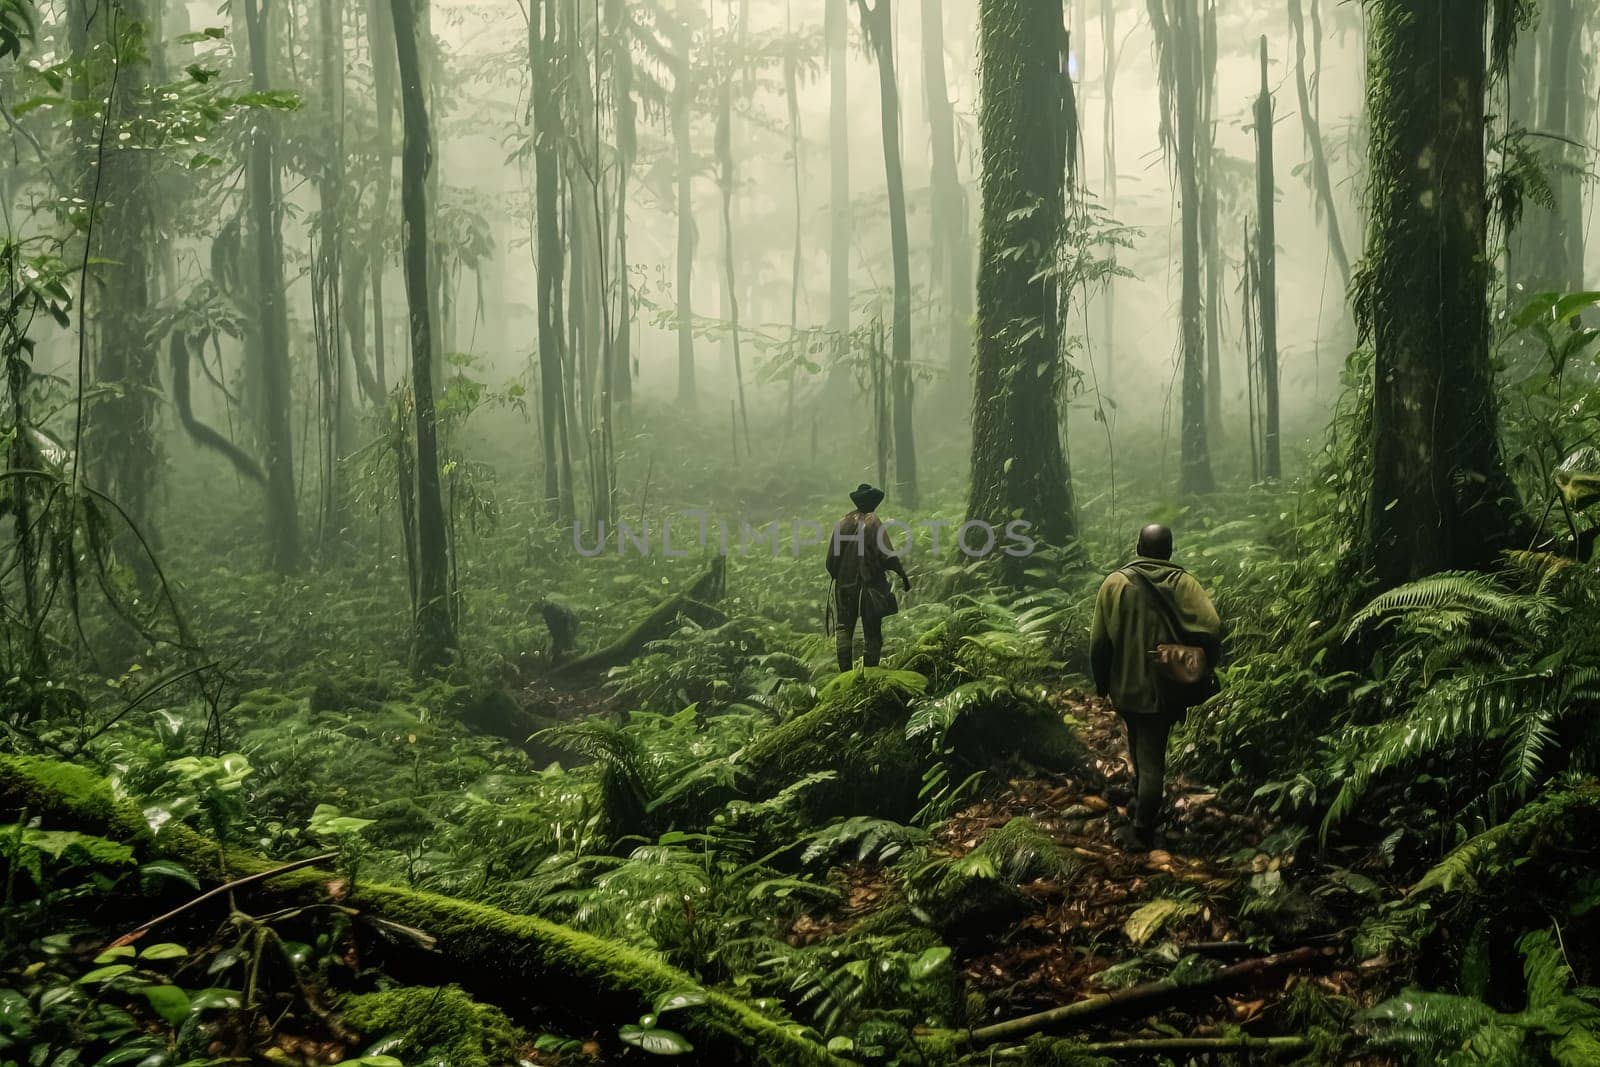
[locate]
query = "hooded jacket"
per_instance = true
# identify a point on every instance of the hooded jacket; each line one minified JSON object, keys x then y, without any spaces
{"x":1127,"y":626}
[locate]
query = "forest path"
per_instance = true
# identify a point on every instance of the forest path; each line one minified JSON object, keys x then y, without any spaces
{"x":1224,"y":888}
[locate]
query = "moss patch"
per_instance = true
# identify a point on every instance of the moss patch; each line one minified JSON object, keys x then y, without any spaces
{"x":427,"y":1025}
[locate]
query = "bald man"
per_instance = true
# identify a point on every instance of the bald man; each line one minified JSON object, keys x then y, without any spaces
{"x":1128,"y":624}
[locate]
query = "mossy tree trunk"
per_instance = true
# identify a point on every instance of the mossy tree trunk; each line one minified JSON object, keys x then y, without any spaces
{"x":877,"y":22}
{"x":1440,"y":497}
{"x":122,"y":443}
{"x":434,"y":633}
{"x":1019,"y":469}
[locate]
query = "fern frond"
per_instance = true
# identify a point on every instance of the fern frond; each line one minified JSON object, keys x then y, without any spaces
{"x":1476,"y":594}
{"x":1466,"y":710}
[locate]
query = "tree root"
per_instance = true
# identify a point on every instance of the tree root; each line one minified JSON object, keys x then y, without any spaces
{"x":540,"y":966}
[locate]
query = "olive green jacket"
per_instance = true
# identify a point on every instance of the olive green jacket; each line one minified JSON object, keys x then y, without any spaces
{"x":1127,"y":627}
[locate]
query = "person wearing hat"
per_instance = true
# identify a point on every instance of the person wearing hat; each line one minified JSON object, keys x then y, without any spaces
{"x":860,"y":559}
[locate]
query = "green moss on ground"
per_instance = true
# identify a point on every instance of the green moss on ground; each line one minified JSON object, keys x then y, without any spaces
{"x":428,"y":1025}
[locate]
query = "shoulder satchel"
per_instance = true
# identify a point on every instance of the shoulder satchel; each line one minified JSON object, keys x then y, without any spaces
{"x":1180,"y":665}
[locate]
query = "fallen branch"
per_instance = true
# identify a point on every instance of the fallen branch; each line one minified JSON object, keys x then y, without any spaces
{"x":1141,"y":996}
{"x":260,"y":876}
{"x":694,"y":603}
{"x":523,"y":963}
{"x":1147,"y":1046}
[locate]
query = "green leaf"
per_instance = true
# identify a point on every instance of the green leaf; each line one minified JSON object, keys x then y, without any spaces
{"x":655,"y":1041}
{"x":213,"y":999}
{"x":688,"y":998}
{"x":327,"y":822}
{"x":167,"y":869}
{"x":164,"y":951}
{"x":169,"y":1002}
{"x":1143,"y":924}
{"x":119,"y":953}
{"x":929,"y":963}
{"x":106,"y":974}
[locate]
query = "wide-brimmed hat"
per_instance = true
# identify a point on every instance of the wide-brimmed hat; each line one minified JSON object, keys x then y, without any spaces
{"x":866,"y":497}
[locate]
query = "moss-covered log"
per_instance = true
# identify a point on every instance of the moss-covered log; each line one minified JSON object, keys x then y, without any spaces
{"x":857,"y":731}
{"x":694,"y":603}
{"x":521,"y":962}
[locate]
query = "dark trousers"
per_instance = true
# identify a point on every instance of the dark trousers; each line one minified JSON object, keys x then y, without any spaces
{"x":847,"y":608}
{"x":1147,"y":745}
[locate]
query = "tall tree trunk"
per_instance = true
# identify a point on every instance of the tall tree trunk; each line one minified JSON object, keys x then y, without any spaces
{"x":544,"y":60}
{"x":271,"y":325}
{"x":1108,"y":305}
{"x":682,"y":103}
{"x":953,"y":251}
{"x":725,"y":184}
{"x":1321,"y":179}
{"x":1019,"y":468}
{"x":1267,"y":271}
{"x":878,"y":23}
{"x":433,"y":634}
{"x":380,"y":38}
{"x":1180,"y":38}
{"x":837,"y":30}
{"x":1552,"y":243}
{"x":121,"y":439}
{"x":1210,"y":238}
{"x":327,"y":274}
{"x":621,"y":33}
{"x":1440,"y":496}
{"x":791,"y":95}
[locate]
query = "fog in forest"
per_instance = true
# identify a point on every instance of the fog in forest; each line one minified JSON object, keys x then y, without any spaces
{"x":427,"y":634}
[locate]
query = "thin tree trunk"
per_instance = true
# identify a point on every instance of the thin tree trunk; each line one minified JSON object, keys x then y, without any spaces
{"x":682,"y":102}
{"x":266,"y":213}
{"x":434,"y":633}
{"x":878,"y":21}
{"x":547,"y":132}
{"x":1183,"y":40}
{"x":1108,"y":306}
{"x":1267,"y":270}
{"x":380,"y":35}
{"x":1320,"y":177}
{"x":953,"y":266}
{"x":1210,"y":238}
{"x":621,"y":32}
{"x":725,"y":184}
{"x":838,"y":34}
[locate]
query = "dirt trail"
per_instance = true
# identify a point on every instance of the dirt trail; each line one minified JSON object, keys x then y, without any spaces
{"x":1079,"y":936}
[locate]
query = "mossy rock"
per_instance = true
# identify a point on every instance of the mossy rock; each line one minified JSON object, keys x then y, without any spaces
{"x":428,"y":1025}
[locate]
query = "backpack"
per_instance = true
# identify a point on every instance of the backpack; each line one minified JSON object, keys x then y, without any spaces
{"x":1184,"y":678}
